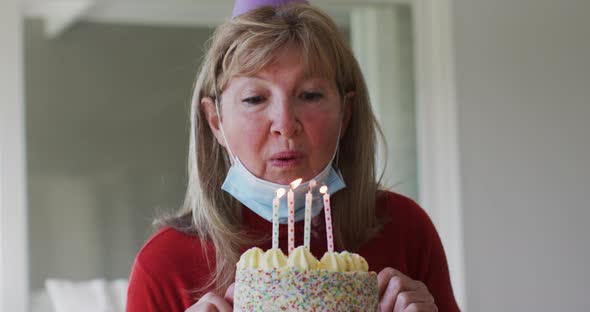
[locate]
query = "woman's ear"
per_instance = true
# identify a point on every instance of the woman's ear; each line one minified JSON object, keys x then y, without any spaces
{"x":208,"y":108}
{"x":347,"y":113}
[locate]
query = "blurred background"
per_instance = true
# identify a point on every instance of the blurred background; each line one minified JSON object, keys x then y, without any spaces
{"x":104,"y":130}
{"x":107,"y":88}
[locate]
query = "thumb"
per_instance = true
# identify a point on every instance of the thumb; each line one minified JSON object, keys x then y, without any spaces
{"x":229,"y":294}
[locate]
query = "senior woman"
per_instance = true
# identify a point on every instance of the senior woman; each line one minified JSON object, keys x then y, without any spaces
{"x":280,"y":96}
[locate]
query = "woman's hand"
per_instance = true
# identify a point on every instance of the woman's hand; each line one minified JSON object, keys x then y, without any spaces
{"x":399,"y":293}
{"x":212,"y":302}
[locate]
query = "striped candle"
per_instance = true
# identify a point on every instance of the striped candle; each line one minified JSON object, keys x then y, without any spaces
{"x":291,"y":207}
{"x":328,"y":215}
{"x":307,"y":225}
{"x":275,"y":217}
{"x":291,"y":219}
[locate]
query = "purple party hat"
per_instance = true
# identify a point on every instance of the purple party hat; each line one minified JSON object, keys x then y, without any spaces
{"x":243,"y":6}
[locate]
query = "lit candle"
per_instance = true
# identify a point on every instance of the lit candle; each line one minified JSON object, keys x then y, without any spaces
{"x":328,"y":214}
{"x":307,"y":226}
{"x":291,"y":208}
{"x":275,"y":218}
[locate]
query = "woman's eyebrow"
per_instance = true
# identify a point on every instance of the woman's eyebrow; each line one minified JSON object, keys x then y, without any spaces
{"x":252,"y":76}
{"x":301,"y":80}
{"x":315,"y":80}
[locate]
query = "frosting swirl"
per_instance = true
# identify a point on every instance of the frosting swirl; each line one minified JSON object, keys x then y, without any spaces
{"x":273,"y":258}
{"x":302,"y":259}
{"x":332,"y":261}
{"x":354,"y":262}
{"x":250,"y":258}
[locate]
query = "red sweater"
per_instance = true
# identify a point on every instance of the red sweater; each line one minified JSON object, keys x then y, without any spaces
{"x":172,"y":264}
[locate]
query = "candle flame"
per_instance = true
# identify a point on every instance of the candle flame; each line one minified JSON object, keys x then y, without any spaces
{"x":280,"y":192}
{"x":296,"y":183}
{"x":324,"y":189}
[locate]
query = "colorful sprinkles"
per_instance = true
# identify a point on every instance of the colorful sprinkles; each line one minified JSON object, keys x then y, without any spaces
{"x":288,"y":289}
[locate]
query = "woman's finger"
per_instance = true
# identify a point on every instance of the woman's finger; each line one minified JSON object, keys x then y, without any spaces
{"x":229,"y":294}
{"x":383,"y":278}
{"x":210,"y":302}
{"x":389,"y":296}
{"x":203,"y":307}
{"x":422,"y":307}
{"x":391,"y":283}
{"x":407,"y":298}
{"x":220,"y":303}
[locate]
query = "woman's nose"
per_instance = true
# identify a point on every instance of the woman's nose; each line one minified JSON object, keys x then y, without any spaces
{"x":285,"y":120}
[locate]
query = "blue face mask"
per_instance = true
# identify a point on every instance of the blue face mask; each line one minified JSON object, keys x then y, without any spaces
{"x":258,"y":194}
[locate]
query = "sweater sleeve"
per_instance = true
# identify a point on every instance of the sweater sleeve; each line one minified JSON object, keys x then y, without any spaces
{"x":432,"y":264}
{"x":143,"y":293}
{"x":167,"y":273}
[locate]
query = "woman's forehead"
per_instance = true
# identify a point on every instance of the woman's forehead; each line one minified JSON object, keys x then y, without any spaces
{"x":281,"y":77}
{"x":288,"y":69}
{"x":302,"y":68}
{"x":283,"y":74}
{"x":290,"y":60}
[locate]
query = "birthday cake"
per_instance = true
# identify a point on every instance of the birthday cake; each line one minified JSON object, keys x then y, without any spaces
{"x":269,"y":281}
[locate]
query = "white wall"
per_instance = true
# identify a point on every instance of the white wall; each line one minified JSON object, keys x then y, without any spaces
{"x":523,"y":77}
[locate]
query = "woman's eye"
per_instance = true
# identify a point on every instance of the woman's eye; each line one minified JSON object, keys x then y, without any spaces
{"x":312,"y":96}
{"x":253,"y":100}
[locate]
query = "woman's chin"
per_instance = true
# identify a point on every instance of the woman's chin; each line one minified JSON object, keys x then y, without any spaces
{"x":286,"y":178}
{"x":284,"y":181}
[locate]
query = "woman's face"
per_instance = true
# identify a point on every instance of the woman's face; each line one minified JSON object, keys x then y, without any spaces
{"x":281,"y":124}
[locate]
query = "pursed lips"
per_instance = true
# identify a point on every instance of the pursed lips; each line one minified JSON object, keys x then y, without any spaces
{"x":286,"y":159}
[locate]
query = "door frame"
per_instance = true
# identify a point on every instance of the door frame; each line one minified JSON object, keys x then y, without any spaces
{"x":439,"y":177}
{"x":14,"y":278}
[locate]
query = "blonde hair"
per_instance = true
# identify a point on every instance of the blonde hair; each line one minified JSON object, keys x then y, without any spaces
{"x":245,"y":45}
